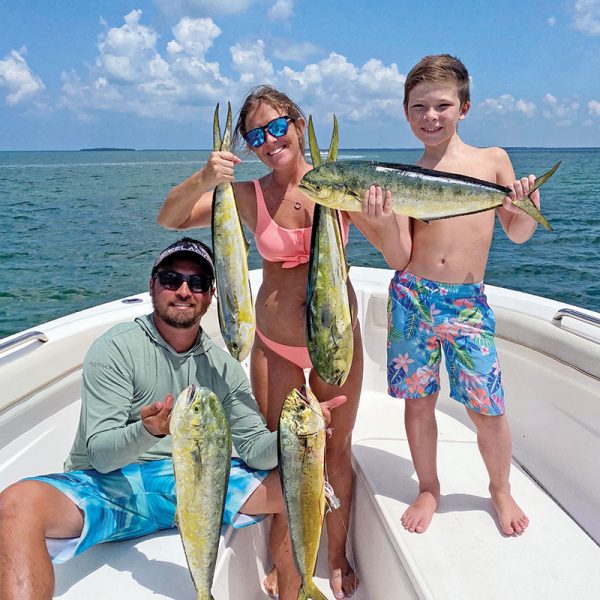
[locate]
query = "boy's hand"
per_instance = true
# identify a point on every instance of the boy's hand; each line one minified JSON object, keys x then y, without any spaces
{"x":329,"y":405}
{"x":219,"y":168}
{"x":157,"y":417}
{"x":376,"y":205}
{"x":519,"y":190}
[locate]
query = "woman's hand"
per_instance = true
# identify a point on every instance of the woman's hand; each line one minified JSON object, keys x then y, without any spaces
{"x":219,"y":168}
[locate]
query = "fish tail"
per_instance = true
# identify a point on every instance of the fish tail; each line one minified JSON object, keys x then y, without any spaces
{"x":216,"y":130}
{"x":309,"y":591}
{"x":529,"y":207}
{"x":541,"y":180}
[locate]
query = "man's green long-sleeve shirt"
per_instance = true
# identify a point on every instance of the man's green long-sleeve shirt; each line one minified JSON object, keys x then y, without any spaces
{"x":131,"y":366}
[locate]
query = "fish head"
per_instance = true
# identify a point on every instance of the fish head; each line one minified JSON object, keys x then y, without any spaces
{"x":190,"y":410}
{"x":338,"y":372}
{"x":301,"y":412}
{"x":323,"y":186}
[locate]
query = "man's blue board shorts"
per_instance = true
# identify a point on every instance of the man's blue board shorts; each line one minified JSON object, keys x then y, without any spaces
{"x":137,"y":500}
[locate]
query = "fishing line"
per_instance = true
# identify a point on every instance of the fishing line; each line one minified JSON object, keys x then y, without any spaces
{"x":334,"y":503}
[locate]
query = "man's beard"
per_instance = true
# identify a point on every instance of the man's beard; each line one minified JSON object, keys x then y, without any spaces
{"x":175,"y":318}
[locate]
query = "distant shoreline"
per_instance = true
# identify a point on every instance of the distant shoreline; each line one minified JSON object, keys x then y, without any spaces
{"x":106,"y":149}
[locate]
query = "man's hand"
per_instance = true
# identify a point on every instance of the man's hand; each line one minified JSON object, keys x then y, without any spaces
{"x":329,"y":405}
{"x":156,"y":417}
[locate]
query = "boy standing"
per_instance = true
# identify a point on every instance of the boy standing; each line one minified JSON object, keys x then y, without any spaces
{"x":426,"y":315}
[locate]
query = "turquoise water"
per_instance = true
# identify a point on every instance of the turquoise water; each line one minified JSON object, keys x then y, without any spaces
{"x":79,"y":228}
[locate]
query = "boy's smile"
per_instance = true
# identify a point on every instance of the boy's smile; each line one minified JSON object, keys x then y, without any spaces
{"x":434,"y":111}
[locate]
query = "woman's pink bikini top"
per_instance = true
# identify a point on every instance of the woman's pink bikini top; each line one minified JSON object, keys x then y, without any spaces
{"x":278,"y":244}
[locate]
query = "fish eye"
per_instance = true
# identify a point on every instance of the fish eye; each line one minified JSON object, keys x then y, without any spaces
{"x":197,"y":408}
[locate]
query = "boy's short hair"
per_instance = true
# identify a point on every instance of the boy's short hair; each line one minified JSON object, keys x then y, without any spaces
{"x":439,"y":68}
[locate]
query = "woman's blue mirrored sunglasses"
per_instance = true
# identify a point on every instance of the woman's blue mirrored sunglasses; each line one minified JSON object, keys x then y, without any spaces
{"x":277,"y":128}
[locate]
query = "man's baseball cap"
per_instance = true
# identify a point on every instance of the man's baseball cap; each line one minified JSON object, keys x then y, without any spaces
{"x":188,"y":246}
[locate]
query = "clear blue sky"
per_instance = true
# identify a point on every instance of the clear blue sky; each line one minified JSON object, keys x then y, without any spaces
{"x":148,"y":73}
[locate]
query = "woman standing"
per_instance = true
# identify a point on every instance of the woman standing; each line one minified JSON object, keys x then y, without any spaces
{"x":280,"y":217}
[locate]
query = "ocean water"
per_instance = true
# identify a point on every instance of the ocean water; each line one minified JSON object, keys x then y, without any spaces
{"x":79,"y":228}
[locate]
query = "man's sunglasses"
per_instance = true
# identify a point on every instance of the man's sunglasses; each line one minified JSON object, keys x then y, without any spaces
{"x":172,"y":280}
{"x":277,"y":128}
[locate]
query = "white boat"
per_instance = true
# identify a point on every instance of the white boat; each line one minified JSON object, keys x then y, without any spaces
{"x":550,"y":358}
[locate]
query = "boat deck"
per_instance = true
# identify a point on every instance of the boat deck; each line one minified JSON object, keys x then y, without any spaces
{"x":463,"y":554}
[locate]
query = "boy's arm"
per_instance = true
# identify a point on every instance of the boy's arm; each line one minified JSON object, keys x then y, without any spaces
{"x":388,"y":232}
{"x":519,"y":226}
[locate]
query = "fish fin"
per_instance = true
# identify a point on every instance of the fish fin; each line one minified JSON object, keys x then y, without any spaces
{"x":423,"y":220}
{"x":226,"y":142}
{"x":315,"y":153}
{"x":541,"y":180}
{"x":309,"y":591}
{"x":529,"y":207}
{"x":216,"y":130}
{"x":333,"y":146}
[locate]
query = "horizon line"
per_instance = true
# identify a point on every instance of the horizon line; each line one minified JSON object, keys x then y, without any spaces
{"x":420,"y":148}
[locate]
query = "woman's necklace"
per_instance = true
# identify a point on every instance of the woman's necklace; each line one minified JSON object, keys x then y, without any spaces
{"x":295,"y":203}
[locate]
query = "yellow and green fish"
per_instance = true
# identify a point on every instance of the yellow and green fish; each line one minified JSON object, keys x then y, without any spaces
{"x":230,"y":247}
{"x":329,"y":335}
{"x":201,"y":460}
{"x":421,"y":193}
{"x":301,"y":446}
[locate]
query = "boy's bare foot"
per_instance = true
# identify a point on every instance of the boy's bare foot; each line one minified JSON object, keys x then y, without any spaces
{"x":418,"y":515}
{"x":343,"y":581}
{"x":512,"y":519}
{"x":270,"y":584}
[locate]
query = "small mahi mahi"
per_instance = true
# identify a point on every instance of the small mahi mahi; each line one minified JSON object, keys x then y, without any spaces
{"x":230,"y":247}
{"x":201,"y":460}
{"x":329,"y":335}
{"x":301,"y":442}
{"x":421,"y":193}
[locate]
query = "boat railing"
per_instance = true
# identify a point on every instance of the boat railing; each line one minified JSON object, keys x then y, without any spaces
{"x":29,"y":336}
{"x":575,"y":314}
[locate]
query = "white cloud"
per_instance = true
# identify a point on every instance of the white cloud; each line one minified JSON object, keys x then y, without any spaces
{"x":251,"y":63}
{"x":594,"y":107}
{"x":559,"y":112}
{"x":506,"y":104}
{"x":18,"y":78}
{"x":356,"y":93}
{"x":131,"y":75}
{"x":281,"y":10}
{"x":284,"y":50}
{"x":587,"y":16}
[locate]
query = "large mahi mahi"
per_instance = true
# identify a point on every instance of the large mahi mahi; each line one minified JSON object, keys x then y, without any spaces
{"x":230,"y":247}
{"x":201,"y":460}
{"x":329,"y":335}
{"x":416,"y":192}
{"x":301,"y":441}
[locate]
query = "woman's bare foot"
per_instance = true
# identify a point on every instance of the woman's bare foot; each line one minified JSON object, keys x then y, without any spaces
{"x":512,"y":519}
{"x":270,"y":584}
{"x":418,"y":515}
{"x":343,"y":581}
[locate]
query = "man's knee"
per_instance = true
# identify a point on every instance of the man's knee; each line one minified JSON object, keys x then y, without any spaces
{"x":33,"y":505}
{"x":14,"y":501}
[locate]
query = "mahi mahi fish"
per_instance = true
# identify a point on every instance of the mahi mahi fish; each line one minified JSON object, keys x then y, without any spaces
{"x":301,"y":441}
{"x":329,"y":335}
{"x":421,"y":193}
{"x":201,"y":460}
{"x":230,"y":247}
